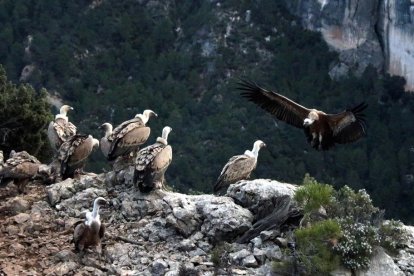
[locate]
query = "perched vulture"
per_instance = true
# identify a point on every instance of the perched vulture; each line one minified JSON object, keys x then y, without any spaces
{"x":322,"y":130}
{"x":238,"y":167}
{"x":60,"y":129}
{"x":126,"y":137}
{"x":90,"y":232}
{"x":20,"y":167}
{"x":151,"y":163}
{"x":73,"y":153}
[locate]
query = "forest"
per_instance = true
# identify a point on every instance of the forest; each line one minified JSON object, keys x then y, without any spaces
{"x":112,"y":59}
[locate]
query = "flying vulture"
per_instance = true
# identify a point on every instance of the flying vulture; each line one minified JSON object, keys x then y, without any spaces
{"x":90,"y":232}
{"x":73,"y":153}
{"x":152,"y":162}
{"x":60,"y":129}
{"x":20,"y":167}
{"x":126,"y":137}
{"x":238,"y":167}
{"x":322,"y":130}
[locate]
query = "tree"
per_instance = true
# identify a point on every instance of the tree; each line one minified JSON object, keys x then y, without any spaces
{"x":24,"y":114}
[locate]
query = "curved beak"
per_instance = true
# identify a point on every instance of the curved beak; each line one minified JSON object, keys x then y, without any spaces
{"x":154,"y":114}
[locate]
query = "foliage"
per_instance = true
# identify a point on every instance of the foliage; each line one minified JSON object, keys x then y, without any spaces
{"x":356,"y":244}
{"x":24,"y":114}
{"x":313,"y":195}
{"x":315,"y":246}
{"x":360,"y":225}
{"x":393,"y":235}
{"x":220,"y":255}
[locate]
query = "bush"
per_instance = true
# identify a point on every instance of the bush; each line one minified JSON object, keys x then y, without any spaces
{"x":392,"y":235}
{"x":314,"y":245}
{"x":312,"y":195}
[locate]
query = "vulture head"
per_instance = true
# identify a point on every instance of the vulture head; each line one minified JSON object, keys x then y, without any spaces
{"x":107,"y":127}
{"x":164,"y":137}
{"x":146,"y":115}
{"x":312,"y":117}
{"x":256,"y":147}
{"x":64,"y":109}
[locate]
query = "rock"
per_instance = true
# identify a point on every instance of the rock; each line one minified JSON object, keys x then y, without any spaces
{"x":281,"y":242}
{"x":273,"y":252}
{"x":19,"y":205}
{"x":269,"y":234}
{"x":65,"y":255}
{"x":257,"y":242}
{"x":237,"y":257}
{"x":159,"y":267}
{"x":12,"y":230}
{"x":223,"y":219}
{"x":21,"y":218}
{"x":186,"y":245}
{"x":260,"y":255}
{"x":250,"y":261}
{"x":259,"y":195}
{"x":381,"y":264}
{"x":16,"y":247}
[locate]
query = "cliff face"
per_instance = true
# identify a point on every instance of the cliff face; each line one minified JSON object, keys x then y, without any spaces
{"x":377,"y":32}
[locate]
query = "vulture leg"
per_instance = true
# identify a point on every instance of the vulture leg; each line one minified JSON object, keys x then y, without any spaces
{"x":21,"y":185}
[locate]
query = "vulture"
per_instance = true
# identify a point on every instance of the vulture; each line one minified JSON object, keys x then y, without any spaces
{"x":90,"y":232}
{"x":73,"y":153}
{"x":20,"y":167}
{"x":322,"y":130}
{"x":60,"y":129}
{"x":151,"y":163}
{"x":238,"y":167}
{"x":126,"y":137}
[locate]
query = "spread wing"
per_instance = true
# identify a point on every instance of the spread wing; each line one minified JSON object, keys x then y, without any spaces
{"x":348,"y":126}
{"x":238,"y":167}
{"x":283,"y":108}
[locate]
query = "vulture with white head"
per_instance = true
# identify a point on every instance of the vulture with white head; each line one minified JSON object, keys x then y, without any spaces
{"x":74,"y":152}
{"x":151,"y":163}
{"x":89,"y":233}
{"x":322,"y":130}
{"x":126,"y":137}
{"x":238,"y":167}
{"x":21,"y":167}
{"x":60,"y":129}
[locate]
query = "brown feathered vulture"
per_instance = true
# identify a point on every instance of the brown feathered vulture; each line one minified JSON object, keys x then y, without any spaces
{"x":238,"y":167}
{"x":89,"y":233}
{"x":322,"y":130}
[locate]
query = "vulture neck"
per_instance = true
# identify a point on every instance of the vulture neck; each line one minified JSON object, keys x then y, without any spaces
{"x":94,"y":216}
{"x":143,"y":117}
{"x":62,"y":116}
{"x":108,"y":130}
{"x":164,"y":138}
{"x":254,"y":152}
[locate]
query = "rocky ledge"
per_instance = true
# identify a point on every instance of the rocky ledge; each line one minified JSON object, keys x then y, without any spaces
{"x":246,"y":232}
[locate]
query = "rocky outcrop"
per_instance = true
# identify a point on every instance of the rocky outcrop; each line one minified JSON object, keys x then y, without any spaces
{"x":376,"y":32}
{"x":160,"y":233}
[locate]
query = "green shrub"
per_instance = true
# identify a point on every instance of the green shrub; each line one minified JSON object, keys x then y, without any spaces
{"x":312,"y":195}
{"x":392,"y":235}
{"x":356,"y":244}
{"x":314,"y":246}
{"x":220,"y":255}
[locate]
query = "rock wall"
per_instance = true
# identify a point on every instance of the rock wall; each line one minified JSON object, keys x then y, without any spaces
{"x":377,"y":32}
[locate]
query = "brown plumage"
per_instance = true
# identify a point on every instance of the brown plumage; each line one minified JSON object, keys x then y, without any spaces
{"x":322,"y":130}
{"x":20,"y":167}
{"x":126,"y":137}
{"x":238,"y":167}
{"x":60,"y":129}
{"x":152,"y":162}
{"x":74,"y":152}
{"x":89,"y":233}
